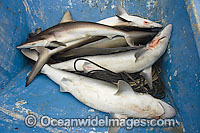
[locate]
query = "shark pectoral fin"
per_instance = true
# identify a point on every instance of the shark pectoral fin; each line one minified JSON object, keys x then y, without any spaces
{"x":114,"y":128}
{"x":147,"y":74}
{"x":120,"y":10}
{"x":123,"y":87}
{"x":139,"y":53}
{"x":65,"y":85}
{"x":67,"y":18}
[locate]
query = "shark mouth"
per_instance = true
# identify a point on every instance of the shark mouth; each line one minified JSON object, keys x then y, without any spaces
{"x":162,"y":38}
{"x":155,"y":42}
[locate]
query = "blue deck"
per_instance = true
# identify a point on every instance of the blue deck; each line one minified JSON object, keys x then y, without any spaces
{"x":180,"y":64}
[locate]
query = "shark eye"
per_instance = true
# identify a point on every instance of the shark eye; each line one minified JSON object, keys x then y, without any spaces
{"x":145,"y":22}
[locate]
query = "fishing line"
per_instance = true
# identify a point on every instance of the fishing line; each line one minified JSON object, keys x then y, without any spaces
{"x":139,"y":84}
{"x":92,"y":63}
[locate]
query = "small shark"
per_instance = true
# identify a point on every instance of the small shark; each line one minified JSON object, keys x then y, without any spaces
{"x":119,"y":100}
{"x":72,"y":31}
{"x":131,"y":61}
{"x":123,"y":19}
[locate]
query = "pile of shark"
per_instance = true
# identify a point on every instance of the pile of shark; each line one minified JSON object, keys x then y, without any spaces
{"x":120,"y":44}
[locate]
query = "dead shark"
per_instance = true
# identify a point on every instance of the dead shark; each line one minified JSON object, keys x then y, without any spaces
{"x":131,"y":61}
{"x":119,"y":100}
{"x":45,"y":54}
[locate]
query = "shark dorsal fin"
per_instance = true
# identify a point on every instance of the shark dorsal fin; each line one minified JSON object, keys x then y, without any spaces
{"x":123,"y":87}
{"x":67,"y":18}
{"x":120,"y":10}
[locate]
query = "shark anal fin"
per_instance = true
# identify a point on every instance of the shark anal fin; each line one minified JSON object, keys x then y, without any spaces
{"x":147,"y":74}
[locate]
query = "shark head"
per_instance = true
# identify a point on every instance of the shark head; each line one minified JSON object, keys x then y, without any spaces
{"x":142,"y":23}
{"x":161,"y":39}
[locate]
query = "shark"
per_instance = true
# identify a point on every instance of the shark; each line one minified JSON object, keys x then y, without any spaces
{"x":120,"y":101}
{"x":131,"y":61}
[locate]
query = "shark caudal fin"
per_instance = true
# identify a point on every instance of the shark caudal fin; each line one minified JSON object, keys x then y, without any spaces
{"x":43,"y":58}
{"x":120,"y":10}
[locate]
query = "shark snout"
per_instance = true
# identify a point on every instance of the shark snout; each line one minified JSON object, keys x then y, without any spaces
{"x":25,"y":45}
{"x":156,"y":25}
{"x":32,"y":44}
{"x":166,"y":31}
{"x":169,"y":111}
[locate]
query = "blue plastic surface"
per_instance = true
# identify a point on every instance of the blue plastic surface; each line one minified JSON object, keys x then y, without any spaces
{"x":180,"y":64}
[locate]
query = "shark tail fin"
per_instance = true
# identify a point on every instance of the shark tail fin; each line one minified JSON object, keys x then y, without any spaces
{"x":44,"y":56}
{"x":42,"y":59}
{"x":120,"y":10}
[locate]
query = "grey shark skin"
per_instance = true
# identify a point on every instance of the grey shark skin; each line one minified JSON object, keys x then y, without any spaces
{"x":71,"y":31}
{"x":120,"y":101}
{"x":68,"y":32}
{"x":139,"y":37}
{"x":131,"y":61}
{"x":90,"y":51}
